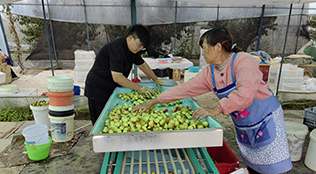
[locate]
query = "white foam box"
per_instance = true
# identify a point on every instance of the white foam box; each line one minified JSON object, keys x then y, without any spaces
{"x":80,"y":76}
{"x":2,"y":77}
{"x":188,"y":75}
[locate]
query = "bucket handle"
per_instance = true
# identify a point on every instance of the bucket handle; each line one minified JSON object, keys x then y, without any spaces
{"x":298,"y":137}
{"x":38,"y":140}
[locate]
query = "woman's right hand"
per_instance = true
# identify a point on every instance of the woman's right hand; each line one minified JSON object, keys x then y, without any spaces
{"x":201,"y":113}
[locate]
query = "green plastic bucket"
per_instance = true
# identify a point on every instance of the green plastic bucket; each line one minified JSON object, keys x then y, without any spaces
{"x":38,"y":152}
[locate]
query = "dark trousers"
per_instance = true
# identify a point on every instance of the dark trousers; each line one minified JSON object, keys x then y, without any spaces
{"x":251,"y":171}
{"x":95,"y":109}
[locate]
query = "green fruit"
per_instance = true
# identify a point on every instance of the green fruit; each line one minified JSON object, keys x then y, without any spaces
{"x":200,"y":126}
{"x":205,"y":123}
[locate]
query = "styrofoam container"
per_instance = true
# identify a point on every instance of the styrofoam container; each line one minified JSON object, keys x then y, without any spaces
{"x":292,"y":80}
{"x":291,"y":86}
{"x":83,"y":68}
{"x":310,"y":160}
{"x":188,"y":75}
{"x":289,"y":66}
{"x":9,"y":89}
{"x":80,"y":76}
{"x":22,"y":92}
{"x":274,"y":68}
{"x":80,"y":62}
{"x":298,"y":72}
{"x":36,"y":134}
{"x":84,"y":55}
{"x":2,"y":77}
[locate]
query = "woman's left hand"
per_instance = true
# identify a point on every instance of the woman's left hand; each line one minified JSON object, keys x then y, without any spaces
{"x":144,"y":107}
{"x":201,"y":113}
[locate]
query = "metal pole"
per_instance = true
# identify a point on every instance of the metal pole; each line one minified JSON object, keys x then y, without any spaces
{"x":5,"y":39}
{"x":51,"y":31}
{"x":85,"y":15}
{"x":299,"y":29}
{"x":260,"y":28}
{"x":287,"y":30}
{"x":133,"y":15}
{"x":175,"y":28}
{"x":217,"y":16}
{"x":133,"y":11}
{"x":47,"y":35}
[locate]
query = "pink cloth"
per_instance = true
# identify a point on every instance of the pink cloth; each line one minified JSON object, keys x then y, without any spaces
{"x":249,"y":85}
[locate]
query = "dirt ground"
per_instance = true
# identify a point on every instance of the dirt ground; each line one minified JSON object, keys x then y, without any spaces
{"x":82,"y":159}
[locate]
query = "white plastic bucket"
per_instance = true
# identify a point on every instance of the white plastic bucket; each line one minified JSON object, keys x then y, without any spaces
{"x":36,"y":134}
{"x":40,"y":114}
{"x":296,"y":134}
{"x":310,"y":159}
{"x":62,"y":127}
{"x":60,"y":83}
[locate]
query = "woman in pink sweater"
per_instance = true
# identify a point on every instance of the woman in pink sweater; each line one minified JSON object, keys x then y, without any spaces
{"x":235,"y":78}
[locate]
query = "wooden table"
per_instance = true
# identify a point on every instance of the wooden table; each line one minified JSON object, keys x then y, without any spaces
{"x":175,"y":73}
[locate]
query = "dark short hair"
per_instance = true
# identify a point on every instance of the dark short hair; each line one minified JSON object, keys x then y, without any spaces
{"x":219,"y":35}
{"x":141,"y":32}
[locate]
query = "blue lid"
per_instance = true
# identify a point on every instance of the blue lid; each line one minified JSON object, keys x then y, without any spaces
{"x":162,"y":59}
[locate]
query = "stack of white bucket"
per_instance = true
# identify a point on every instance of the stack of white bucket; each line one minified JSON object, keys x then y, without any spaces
{"x":61,"y":109}
{"x":83,"y":63}
{"x":291,"y":76}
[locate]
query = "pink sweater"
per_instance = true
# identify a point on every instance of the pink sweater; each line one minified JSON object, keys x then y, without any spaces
{"x":249,"y":85}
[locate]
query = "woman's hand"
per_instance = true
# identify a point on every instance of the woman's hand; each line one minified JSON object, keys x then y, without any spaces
{"x":201,"y":112}
{"x":144,"y":107}
{"x":149,"y":92}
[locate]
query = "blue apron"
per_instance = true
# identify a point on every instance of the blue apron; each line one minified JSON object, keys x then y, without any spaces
{"x":255,"y":125}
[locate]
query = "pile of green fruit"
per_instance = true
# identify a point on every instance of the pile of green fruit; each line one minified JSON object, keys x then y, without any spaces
{"x":121,"y":120}
{"x":40,"y":103}
{"x":138,"y":98}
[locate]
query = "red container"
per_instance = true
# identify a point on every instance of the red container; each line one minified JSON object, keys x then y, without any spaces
{"x":224,"y":158}
{"x":264,"y":68}
{"x":60,"y":98}
{"x":162,"y":60}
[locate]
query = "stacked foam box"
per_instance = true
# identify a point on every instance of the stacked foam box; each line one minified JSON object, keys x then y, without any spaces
{"x":291,"y":76}
{"x":83,"y":63}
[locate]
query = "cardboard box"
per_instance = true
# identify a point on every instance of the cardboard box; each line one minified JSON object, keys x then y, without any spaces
{"x":175,"y":74}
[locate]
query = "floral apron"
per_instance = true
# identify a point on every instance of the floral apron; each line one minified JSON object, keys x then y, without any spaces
{"x":260,"y":131}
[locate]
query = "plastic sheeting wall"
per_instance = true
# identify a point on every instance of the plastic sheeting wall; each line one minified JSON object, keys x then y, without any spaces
{"x":148,"y":12}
